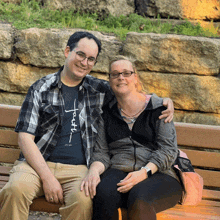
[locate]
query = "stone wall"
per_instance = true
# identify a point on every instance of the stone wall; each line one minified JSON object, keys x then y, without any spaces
{"x":190,"y":9}
{"x":184,"y":68}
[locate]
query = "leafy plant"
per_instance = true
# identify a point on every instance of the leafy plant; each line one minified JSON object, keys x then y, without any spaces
{"x":30,"y":13}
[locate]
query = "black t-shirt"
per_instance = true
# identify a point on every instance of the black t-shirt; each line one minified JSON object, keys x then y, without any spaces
{"x":69,"y":149}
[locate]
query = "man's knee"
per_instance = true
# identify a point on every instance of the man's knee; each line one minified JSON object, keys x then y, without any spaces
{"x":15,"y":201}
{"x":78,"y":198}
{"x":84,"y":200}
{"x":77,"y":206}
{"x":11,"y":189}
{"x":21,"y":188}
{"x":15,"y":191}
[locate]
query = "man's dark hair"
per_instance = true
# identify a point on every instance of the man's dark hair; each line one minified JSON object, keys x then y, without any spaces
{"x":77,"y":36}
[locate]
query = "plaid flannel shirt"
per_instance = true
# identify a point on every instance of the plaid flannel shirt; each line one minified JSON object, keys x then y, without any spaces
{"x":43,"y":109}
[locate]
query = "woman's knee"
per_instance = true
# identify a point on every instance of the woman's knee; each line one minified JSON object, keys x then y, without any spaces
{"x":161,"y":192}
{"x":141,"y":209}
{"x":107,"y":188}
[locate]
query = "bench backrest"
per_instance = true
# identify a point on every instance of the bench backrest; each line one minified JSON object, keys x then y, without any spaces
{"x":200,"y":142}
{"x":8,"y":138}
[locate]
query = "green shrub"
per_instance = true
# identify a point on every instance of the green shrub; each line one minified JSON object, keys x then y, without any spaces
{"x":30,"y":13}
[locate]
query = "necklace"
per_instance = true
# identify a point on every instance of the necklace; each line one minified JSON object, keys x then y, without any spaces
{"x":131,"y":120}
{"x":132,"y":116}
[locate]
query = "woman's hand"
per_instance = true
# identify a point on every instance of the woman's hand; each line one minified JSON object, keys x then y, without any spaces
{"x":131,"y":180}
{"x":90,"y":183}
{"x":92,"y":179}
{"x":168,"y":113}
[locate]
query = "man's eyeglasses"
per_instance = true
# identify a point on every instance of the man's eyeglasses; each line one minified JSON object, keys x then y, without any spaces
{"x":115,"y":75}
{"x":81,"y":56}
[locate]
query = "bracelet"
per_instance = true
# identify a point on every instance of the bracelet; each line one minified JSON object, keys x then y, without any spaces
{"x":148,"y":170}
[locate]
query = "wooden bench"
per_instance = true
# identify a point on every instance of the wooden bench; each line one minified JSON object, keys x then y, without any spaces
{"x":9,"y":153}
{"x":200,"y":142}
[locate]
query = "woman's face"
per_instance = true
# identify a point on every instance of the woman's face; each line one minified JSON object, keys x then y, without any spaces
{"x":123,"y":85}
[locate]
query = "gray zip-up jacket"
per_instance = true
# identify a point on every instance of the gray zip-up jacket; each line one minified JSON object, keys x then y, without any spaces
{"x":150,"y":140}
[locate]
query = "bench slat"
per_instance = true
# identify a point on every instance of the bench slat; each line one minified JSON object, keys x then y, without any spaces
{"x":4,"y":170}
{"x":9,"y":115}
{"x":210,"y":178}
{"x":8,"y":137}
{"x":203,"y":158}
{"x":180,"y":212}
{"x":40,"y":204}
{"x":9,"y":155}
{"x":198,"y":135}
{"x":4,"y":178}
{"x":197,"y":209}
{"x":171,"y":214}
{"x":2,"y":184}
{"x":190,"y":212}
{"x":209,"y":203}
{"x":211,"y":194}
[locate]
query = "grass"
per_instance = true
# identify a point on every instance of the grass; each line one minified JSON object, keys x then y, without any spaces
{"x":31,"y":14}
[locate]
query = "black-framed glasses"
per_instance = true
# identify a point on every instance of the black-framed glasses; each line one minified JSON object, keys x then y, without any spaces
{"x":115,"y":75}
{"x":81,"y":56}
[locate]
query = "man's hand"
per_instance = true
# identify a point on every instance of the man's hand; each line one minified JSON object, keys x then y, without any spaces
{"x":90,"y":183}
{"x":131,"y":180}
{"x":53,"y":190}
{"x":168,"y":113}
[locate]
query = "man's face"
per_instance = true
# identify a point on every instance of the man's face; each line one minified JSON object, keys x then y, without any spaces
{"x":76,"y":66}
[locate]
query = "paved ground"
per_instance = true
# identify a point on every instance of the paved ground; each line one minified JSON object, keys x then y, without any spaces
{"x":43,"y":216}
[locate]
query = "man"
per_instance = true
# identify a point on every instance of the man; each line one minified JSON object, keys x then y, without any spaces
{"x":57,"y":129}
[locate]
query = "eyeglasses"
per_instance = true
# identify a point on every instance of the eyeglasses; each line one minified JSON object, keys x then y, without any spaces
{"x":81,"y":56}
{"x":115,"y":75}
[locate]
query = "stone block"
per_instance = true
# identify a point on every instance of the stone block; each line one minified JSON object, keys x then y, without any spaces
{"x":9,"y":98}
{"x":190,"y":9}
{"x":18,"y":78}
{"x":174,"y":53}
{"x":102,"y":7}
{"x":196,"y":118}
{"x":45,"y":48}
{"x":6,"y":41}
{"x":188,"y":92}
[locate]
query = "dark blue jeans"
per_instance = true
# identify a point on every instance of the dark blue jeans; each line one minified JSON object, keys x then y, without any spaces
{"x":143,"y":201}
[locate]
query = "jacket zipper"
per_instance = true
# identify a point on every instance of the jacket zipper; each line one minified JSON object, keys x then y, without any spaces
{"x":135,"y":159}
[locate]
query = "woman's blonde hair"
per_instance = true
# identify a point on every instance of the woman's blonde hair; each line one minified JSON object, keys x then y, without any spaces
{"x":139,"y":85}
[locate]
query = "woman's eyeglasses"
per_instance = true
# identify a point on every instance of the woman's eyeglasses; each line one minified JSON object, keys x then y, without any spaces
{"x":115,"y":75}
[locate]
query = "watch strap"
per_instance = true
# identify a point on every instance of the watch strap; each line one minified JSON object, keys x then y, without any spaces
{"x":148,"y":171}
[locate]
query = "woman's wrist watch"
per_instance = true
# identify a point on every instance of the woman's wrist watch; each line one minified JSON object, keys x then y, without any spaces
{"x":148,"y":170}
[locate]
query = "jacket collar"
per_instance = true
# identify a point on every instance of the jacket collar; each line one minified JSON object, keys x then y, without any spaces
{"x":154,"y":102}
{"x":58,"y":82}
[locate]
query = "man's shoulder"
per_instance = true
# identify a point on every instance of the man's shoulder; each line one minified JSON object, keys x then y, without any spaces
{"x":45,"y":82}
{"x":97,"y":84}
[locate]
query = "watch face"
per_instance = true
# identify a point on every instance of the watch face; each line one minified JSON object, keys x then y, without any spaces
{"x":149,"y":173}
{"x":148,"y":170}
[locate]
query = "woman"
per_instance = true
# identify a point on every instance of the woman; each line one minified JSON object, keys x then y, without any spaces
{"x":139,"y":153}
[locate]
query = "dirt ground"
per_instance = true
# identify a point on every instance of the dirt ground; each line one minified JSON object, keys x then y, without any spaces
{"x":43,"y":216}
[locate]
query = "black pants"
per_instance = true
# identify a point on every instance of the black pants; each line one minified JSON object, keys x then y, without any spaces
{"x":144,"y":200}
